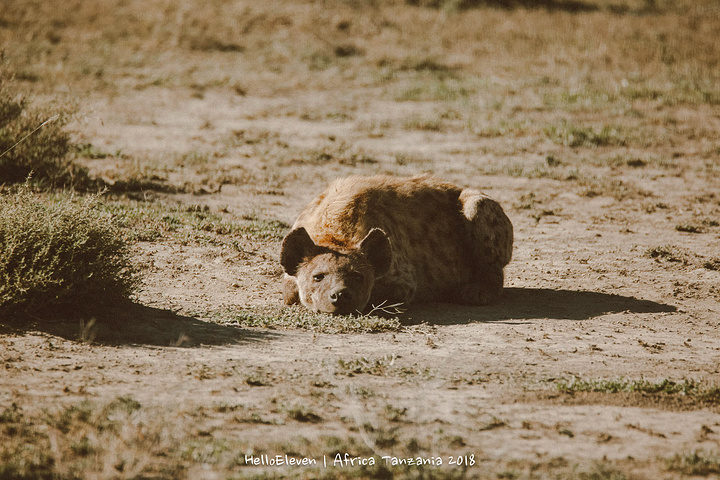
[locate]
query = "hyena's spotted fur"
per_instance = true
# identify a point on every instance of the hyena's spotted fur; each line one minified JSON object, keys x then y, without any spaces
{"x":368,"y":241}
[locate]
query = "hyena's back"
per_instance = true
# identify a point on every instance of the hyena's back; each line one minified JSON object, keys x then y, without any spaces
{"x":422,"y":216}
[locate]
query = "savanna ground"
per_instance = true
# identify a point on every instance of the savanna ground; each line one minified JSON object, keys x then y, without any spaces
{"x":595,"y":123}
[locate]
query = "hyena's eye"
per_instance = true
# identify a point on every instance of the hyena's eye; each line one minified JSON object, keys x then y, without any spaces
{"x":318,"y":277}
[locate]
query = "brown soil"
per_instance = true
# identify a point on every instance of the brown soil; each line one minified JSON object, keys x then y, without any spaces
{"x":586,"y":297}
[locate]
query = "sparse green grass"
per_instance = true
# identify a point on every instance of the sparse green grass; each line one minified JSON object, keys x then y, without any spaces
{"x":378,"y":366}
{"x":534,"y":170}
{"x":150,"y":221}
{"x":587,"y":99}
{"x":274,"y":151}
{"x":71,"y":441}
{"x":700,"y":391}
{"x":700,"y":463}
{"x":88,"y":150}
{"x":382,"y":366}
{"x":680,"y":92}
{"x":193,"y":171}
{"x":60,"y":256}
{"x":438,"y":89}
{"x":123,"y":438}
{"x":297,"y":317}
{"x":571,"y":135}
{"x":361,"y":392}
{"x":504,"y":128}
{"x":338,"y":152}
{"x":579,"y":176}
{"x":428,"y":124}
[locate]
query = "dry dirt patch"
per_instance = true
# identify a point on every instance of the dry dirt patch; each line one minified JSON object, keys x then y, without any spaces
{"x":602,"y":147}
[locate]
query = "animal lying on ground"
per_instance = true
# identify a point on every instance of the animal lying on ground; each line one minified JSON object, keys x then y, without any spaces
{"x":375,"y":241}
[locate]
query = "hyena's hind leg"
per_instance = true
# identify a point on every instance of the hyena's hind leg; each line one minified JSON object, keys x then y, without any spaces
{"x":490,"y":249}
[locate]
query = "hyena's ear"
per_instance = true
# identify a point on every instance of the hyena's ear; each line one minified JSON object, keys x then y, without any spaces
{"x":296,"y":246}
{"x":376,"y":247}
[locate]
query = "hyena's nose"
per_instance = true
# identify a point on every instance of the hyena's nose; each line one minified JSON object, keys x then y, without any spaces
{"x":339,"y":295}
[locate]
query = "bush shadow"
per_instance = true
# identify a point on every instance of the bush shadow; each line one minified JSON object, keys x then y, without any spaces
{"x":525,"y":304}
{"x":140,"y":325}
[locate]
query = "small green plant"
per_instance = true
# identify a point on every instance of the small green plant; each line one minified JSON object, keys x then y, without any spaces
{"x":565,"y":133}
{"x":301,"y":413}
{"x":492,"y":424}
{"x":424,"y":124}
{"x":395,"y":414}
{"x":259,"y":379}
{"x":378,"y":366}
{"x":505,"y":127}
{"x":695,"y":463}
{"x":688,"y":228}
{"x":587,"y":98}
{"x":669,"y":253}
{"x":361,"y":392}
{"x":11,"y":414}
{"x":88,"y":150}
{"x":60,"y":256}
{"x":434,"y":89}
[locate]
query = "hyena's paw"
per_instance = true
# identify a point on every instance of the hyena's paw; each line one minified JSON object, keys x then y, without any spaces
{"x":291,"y":293}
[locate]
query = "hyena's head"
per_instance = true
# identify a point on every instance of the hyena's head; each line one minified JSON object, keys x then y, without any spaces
{"x":332,"y":281}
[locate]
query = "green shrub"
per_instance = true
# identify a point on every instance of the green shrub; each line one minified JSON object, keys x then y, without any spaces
{"x":33,"y":143}
{"x":59,"y":256}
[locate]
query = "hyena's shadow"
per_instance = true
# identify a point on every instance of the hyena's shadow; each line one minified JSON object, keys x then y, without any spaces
{"x":518,"y":304}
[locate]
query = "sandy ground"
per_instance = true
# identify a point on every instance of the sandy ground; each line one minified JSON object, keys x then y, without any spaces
{"x":584,"y":300}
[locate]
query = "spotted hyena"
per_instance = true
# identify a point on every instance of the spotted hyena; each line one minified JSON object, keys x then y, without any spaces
{"x":371,"y":241}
